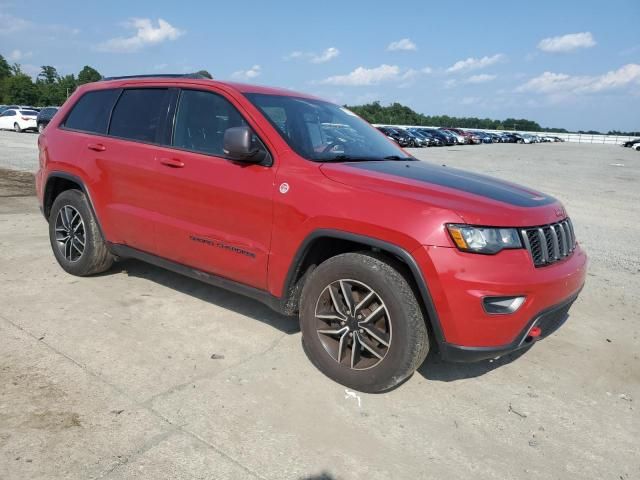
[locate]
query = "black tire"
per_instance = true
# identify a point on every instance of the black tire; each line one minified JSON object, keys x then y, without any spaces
{"x":40,"y":128}
{"x":95,"y":257}
{"x":408,"y":342}
{"x":16,"y":128}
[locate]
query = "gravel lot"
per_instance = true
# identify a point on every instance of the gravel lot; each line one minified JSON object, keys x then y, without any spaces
{"x":140,"y":373}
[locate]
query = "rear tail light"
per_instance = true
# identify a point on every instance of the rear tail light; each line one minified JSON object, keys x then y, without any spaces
{"x":27,"y":118}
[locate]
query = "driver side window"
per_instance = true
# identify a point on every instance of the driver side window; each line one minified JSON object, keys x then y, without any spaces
{"x":201,"y":120}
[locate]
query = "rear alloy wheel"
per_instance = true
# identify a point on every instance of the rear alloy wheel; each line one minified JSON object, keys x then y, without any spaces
{"x":75,"y":236}
{"x":40,"y":128}
{"x":361,"y":323}
{"x":16,"y":127}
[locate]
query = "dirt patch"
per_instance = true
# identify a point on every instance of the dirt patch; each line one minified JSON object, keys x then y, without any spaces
{"x":16,"y":184}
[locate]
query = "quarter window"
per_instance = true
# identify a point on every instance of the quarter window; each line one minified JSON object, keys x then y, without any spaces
{"x":201,"y":121}
{"x":140,"y":114}
{"x":91,"y":112}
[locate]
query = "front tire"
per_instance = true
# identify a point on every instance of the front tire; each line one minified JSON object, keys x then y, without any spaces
{"x":40,"y":128}
{"x":361,"y":323}
{"x":75,"y":237}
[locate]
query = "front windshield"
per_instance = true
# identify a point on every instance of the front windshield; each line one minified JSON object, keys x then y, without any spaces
{"x":324,"y":132}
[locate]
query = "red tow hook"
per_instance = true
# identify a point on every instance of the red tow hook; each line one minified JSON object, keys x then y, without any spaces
{"x":534,"y":334}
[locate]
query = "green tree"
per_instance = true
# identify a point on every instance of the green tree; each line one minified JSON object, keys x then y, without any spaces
{"x":5,"y":69}
{"x":48,"y":74}
{"x":88,"y":74}
{"x":21,"y":90}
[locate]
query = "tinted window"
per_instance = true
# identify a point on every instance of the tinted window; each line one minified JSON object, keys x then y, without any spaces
{"x":140,"y":113}
{"x":9,"y":113}
{"x":201,"y":121}
{"x":28,"y":112}
{"x":91,"y":112}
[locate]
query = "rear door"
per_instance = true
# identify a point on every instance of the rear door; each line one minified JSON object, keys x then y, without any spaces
{"x":216,"y":214}
{"x":126,"y":159}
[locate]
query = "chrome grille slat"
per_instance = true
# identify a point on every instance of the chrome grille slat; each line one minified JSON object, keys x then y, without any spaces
{"x":556,"y":246}
{"x":548,"y":244}
{"x":563,"y":236}
{"x":543,"y":246}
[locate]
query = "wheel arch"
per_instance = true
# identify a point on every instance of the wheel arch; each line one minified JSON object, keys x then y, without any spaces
{"x":58,"y":182}
{"x":325,"y":243}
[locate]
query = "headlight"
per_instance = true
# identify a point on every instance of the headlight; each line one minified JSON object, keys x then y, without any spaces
{"x":484,"y":239}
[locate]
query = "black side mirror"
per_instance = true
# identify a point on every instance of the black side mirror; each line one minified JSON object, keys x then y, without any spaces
{"x":239,"y":145}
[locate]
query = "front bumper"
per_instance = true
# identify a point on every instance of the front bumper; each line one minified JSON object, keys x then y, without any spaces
{"x":548,"y":321}
{"x":459,"y":281}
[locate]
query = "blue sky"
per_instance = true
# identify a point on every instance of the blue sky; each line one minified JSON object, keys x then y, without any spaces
{"x":567,"y":64}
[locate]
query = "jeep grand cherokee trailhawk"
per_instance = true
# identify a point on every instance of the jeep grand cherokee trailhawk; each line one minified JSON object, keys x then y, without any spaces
{"x":304,"y":206}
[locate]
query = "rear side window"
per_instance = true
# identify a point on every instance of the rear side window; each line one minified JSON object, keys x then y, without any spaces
{"x":140,"y":114}
{"x":202,"y":120}
{"x":91,"y":112}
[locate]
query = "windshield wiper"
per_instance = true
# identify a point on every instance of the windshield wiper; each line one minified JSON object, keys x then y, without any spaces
{"x":399,"y":158}
{"x":347,"y":158}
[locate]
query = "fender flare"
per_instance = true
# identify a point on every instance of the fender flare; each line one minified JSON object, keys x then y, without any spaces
{"x":404,"y":255}
{"x":75,"y":179}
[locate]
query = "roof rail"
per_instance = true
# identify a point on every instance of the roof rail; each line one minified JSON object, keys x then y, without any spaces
{"x":159,"y":75}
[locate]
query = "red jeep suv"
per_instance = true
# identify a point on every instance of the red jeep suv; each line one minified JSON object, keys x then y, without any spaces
{"x":302,"y":205}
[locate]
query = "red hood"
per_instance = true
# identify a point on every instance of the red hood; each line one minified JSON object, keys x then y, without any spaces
{"x":478,"y":199}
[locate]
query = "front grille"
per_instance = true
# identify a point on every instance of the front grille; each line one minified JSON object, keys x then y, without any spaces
{"x":549,"y":243}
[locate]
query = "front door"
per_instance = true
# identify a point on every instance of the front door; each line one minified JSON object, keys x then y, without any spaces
{"x":215,"y":215}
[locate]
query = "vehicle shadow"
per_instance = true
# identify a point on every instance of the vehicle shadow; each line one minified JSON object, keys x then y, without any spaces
{"x":207,"y":293}
{"x":320,"y":476}
{"x":435,"y":369}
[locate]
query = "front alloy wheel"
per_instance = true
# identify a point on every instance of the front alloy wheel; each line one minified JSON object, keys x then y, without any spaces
{"x":353,"y":324}
{"x":361,"y":322}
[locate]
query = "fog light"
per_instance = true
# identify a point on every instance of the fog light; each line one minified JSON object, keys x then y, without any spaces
{"x":502,"y":305}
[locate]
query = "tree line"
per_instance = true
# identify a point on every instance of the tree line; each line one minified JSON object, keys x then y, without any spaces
{"x":398,"y":114}
{"x":50,"y":88}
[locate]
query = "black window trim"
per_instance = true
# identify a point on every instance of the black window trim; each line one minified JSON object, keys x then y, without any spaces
{"x":161,"y":127}
{"x":63,"y":124}
{"x":269,"y":159}
{"x":168,"y":122}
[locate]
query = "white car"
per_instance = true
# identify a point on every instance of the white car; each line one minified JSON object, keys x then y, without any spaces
{"x":636,"y":146}
{"x":18,"y":120}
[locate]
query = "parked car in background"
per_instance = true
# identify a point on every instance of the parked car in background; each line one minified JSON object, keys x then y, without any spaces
{"x":631,"y":143}
{"x":483,"y":136}
{"x":460,"y":139}
{"x":18,"y":120}
{"x":428,"y":136}
{"x":415,"y":139}
{"x":397,"y":136}
{"x":44,"y":117}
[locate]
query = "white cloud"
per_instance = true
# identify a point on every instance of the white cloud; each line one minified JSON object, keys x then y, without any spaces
{"x":146,"y":34}
{"x":10,"y":24}
{"x":567,"y":43}
{"x":427,"y":70}
{"x":326,"y":55}
{"x":475,"y":63}
{"x":249,"y":74}
{"x":481,"y":78}
{"x":17,"y":55}
{"x":403,"y":44}
{"x":366,"y":76}
{"x":561,"y":83}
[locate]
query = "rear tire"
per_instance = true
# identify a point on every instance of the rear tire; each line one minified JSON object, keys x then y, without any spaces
{"x":75,"y":236}
{"x":16,"y":128}
{"x":360,"y":299}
